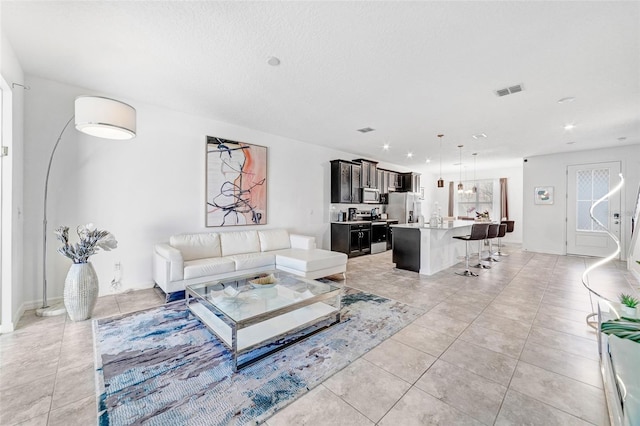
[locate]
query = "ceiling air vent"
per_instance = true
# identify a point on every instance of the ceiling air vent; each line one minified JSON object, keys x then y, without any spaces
{"x":509,"y":90}
{"x":366,"y":130}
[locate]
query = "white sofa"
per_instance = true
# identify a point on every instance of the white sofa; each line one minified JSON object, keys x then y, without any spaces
{"x":195,"y":258}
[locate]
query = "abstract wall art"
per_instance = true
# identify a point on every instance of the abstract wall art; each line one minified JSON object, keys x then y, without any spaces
{"x":543,"y":195}
{"x":236,"y":186}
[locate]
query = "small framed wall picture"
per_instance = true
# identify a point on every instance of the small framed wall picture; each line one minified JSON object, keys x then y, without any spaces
{"x":543,"y":195}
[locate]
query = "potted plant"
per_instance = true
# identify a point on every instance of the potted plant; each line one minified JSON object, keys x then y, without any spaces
{"x":629,"y":304}
{"x":81,"y":286}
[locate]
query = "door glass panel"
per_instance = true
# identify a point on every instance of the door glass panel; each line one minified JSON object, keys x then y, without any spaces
{"x":590,"y":186}
{"x":583,"y":184}
{"x":584,"y":220}
{"x":600,"y":183}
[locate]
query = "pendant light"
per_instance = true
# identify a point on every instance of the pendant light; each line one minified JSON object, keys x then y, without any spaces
{"x":440,"y":181}
{"x":475,"y":182}
{"x":460,"y":185}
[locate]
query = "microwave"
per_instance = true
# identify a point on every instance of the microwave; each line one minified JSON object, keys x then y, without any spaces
{"x":370,"y":195}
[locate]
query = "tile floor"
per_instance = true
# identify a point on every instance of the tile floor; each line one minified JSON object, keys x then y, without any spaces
{"x":507,"y":348}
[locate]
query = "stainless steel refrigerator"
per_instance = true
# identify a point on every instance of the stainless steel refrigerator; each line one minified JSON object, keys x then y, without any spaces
{"x":404,"y":206}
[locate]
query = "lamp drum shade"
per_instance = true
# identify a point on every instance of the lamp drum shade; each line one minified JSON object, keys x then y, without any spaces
{"x":105,"y":118}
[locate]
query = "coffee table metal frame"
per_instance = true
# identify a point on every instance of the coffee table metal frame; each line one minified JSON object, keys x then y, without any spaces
{"x":226,"y":328}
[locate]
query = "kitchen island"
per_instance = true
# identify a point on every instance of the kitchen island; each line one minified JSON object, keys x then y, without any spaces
{"x":429,"y":249}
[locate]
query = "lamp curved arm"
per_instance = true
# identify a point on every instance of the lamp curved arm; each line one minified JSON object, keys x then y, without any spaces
{"x":613,"y":237}
{"x":44,"y":220}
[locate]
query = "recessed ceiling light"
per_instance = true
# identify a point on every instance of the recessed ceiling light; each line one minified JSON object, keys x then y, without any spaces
{"x":479,"y":136}
{"x":409,"y":154}
{"x":569,"y":126}
{"x":385,"y":147}
{"x":366,"y":130}
{"x":273,"y":61}
{"x":566,"y":100}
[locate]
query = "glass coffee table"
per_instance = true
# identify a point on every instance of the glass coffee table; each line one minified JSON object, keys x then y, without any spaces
{"x":254,"y":320}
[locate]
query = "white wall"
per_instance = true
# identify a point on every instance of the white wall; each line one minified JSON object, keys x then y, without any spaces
{"x":149,"y":188}
{"x":545,"y":225}
{"x":514,"y":195}
{"x":12,"y":189}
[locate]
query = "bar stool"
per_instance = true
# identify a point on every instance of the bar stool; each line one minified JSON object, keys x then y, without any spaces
{"x":501,"y":233}
{"x":478,"y":233}
{"x":492,"y":233}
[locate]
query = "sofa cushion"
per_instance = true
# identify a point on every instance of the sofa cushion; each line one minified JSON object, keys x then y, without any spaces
{"x":309,"y":260}
{"x":274,"y":239}
{"x":239,"y":242}
{"x":197,"y":246}
{"x":252,"y":260}
{"x":204,"y":267}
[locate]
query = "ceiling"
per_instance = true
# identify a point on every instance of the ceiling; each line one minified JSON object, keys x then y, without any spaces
{"x":410,"y":70}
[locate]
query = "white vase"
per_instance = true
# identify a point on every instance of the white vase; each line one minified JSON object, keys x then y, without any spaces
{"x":81,"y":291}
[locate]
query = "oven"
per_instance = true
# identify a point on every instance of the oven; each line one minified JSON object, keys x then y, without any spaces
{"x":378,"y":237}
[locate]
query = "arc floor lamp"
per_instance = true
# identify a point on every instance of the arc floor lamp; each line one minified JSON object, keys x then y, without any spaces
{"x":96,"y":116}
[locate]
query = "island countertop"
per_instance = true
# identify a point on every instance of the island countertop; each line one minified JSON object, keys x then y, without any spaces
{"x":446,"y":225}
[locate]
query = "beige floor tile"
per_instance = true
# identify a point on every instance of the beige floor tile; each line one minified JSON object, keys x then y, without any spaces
{"x":24,"y":402}
{"x":556,"y":339}
{"x":40,"y":420}
{"x":580,"y":329}
{"x":576,"y":398}
{"x":400,"y":360}
{"x":519,"y":409}
{"x":418,"y":408}
{"x":319,"y":407}
{"x":424,"y":339}
{"x":78,"y":413}
{"x":503,"y":325}
{"x":522,"y":313}
{"x":483,"y":362}
{"x":507,"y":344}
{"x":441,"y":323}
{"x":73,"y":384}
{"x":561,"y":362}
{"x":374,"y":399}
{"x":472,"y":394}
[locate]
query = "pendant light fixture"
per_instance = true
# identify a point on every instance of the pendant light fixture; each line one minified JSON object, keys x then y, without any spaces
{"x":440,"y":181}
{"x":460,"y":185}
{"x":475,"y":182}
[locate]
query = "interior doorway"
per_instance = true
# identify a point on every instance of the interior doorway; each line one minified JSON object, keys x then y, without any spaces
{"x":586,"y":183}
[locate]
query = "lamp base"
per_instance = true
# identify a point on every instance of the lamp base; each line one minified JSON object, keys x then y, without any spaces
{"x":52,"y":310}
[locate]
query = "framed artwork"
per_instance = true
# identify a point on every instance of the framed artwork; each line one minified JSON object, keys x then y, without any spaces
{"x":543,"y":195}
{"x":236,"y":183}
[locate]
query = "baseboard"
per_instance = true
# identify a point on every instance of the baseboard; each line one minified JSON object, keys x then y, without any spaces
{"x":11,"y":327}
{"x":35,"y":304}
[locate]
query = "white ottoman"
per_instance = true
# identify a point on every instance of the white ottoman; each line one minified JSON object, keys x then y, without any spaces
{"x":312,"y":264}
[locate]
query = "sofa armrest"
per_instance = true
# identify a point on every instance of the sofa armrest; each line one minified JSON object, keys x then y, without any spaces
{"x":168,"y":264}
{"x":302,"y":242}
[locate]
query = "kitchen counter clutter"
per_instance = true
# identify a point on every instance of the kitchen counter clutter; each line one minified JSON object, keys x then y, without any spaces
{"x":428,"y":249}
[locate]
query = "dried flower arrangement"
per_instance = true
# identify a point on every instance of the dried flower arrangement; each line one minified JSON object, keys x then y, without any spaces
{"x":91,"y":240}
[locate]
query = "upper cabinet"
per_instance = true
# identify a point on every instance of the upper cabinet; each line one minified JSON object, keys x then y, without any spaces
{"x":410,"y":182}
{"x":345,"y":182}
{"x":369,"y":173}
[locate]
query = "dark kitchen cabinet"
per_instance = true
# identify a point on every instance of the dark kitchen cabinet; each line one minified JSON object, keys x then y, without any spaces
{"x":354,"y":239}
{"x":345,"y":182}
{"x":369,"y":175}
{"x":390,"y":233}
{"x":410,"y":182}
{"x":395,"y":181}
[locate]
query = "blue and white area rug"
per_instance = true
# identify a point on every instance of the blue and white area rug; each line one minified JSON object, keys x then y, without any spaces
{"x":163,"y":367}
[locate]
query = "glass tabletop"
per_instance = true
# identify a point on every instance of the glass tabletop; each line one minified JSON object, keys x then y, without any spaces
{"x":240,"y":299}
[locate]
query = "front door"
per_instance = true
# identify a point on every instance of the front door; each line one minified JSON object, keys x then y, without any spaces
{"x":586,"y":183}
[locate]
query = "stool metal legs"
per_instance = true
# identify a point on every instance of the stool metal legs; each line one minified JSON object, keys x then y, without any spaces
{"x":480,"y":264}
{"x":466,"y":272}
{"x":499,"y":253}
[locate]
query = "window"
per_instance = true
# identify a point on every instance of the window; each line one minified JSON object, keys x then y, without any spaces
{"x":485,"y":198}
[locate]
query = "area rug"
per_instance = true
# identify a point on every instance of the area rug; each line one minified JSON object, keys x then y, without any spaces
{"x":161,"y":366}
